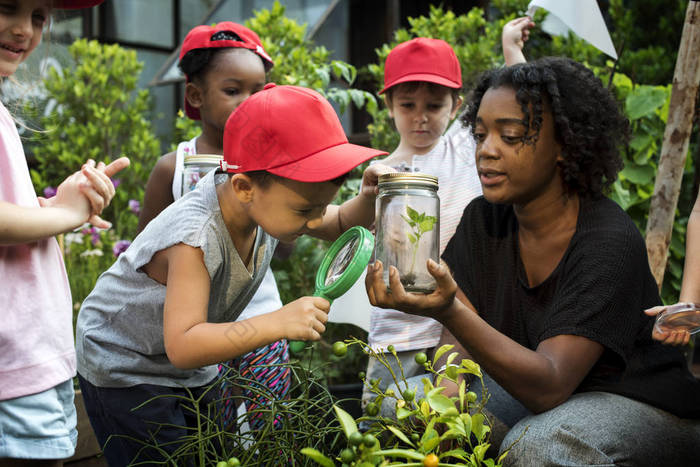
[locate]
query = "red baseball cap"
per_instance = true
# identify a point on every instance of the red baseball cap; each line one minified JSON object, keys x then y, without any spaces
{"x":200,"y":38}
{"x":422,"y":59}
{"x":75,"y":4}
{"x":292,"y":132}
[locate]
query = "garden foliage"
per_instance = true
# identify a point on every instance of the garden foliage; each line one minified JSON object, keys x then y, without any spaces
{"x":101,"y":115}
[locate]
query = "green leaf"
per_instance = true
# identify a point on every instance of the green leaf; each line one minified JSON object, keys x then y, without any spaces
{"x":317,"y":457}
{"x":346,"y":421}
{"x":403,"y":413}
{"x":644,"y":100}
{"x":639,"y":174}
{"x":479,"y":427}
{"x":438,"y":402}
{"x":427,"y":225}
{"x":399,"y":434}
{"x":412,"y":213}
{"x":406,"y":453}
{"x":471,"y":367}
{"x":441,"y":351}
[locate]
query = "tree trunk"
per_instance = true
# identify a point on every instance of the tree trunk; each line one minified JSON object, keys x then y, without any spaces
{"x":686,"y":77}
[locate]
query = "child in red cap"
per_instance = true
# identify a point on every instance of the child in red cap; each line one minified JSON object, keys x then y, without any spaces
{"x":422,"y":86}
{"x":223,"y":64}
{"x":162,"y":317}
{"x":37,"y":362}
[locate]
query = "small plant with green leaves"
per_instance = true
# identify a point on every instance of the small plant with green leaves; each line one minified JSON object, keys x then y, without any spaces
{"x":433,"y":430}
{"x":420,"y":223}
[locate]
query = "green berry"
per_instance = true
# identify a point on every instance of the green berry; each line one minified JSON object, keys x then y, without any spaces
{"x":421,"y":358}
{"x":347,"y":455}
{"x":222,"y":464}
{"x":369,"y":440}
{"x":233,"y":462}
{"x":409,"y":395}
{"x":340,"y":349}
{"x":415,"y":437}
{"x":355,"y":438}
{"x":390,"y":348}
{"x":372,"y":409}
{"x":471,"y":396}
{"x":361,"y":375}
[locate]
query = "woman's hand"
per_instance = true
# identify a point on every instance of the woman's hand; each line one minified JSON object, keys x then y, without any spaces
{"x":431,"y":305}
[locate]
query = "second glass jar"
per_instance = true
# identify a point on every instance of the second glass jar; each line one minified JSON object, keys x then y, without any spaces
{"x":408,"y":228}
{"x":197,"y":166}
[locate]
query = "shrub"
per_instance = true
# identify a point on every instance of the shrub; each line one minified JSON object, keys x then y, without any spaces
{"x":99,"y":114}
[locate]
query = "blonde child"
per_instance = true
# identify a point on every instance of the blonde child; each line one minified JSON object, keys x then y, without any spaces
{"x":37,"y":357}
{"x":194,"y":268}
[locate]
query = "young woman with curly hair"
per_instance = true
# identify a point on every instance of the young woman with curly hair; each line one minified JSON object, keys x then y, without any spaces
{"x":545,"y":282}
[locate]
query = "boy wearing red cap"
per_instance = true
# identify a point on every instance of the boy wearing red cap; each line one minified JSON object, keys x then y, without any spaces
{"x":223,"y":64}
{"x":422,"y":84}
{"x":162,"y":317}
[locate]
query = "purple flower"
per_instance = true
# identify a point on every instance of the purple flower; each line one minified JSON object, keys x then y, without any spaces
{"x":134,"y":206}
{"x":49,"y":192}
{"x":115,"y":182}
{"x":95,"y":237}
{"x":120,"y":247}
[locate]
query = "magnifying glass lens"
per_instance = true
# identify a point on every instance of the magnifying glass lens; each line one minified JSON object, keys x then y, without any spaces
{"x":341,"y":261}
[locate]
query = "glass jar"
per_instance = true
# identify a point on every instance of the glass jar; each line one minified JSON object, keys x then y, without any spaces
{"x":408,"y":228}
{"x":197,"y":166}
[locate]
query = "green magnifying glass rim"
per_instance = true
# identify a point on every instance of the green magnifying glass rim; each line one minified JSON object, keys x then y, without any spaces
{"x":353,"y":270}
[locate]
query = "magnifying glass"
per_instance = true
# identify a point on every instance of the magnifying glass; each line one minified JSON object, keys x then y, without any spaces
{"x":342,"y":265}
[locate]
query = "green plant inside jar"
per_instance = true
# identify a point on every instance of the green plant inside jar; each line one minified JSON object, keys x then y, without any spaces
{"x":420,"y":224}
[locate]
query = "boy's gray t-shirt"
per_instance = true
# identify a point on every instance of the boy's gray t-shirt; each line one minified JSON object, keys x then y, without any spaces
{"x":119,"y":333}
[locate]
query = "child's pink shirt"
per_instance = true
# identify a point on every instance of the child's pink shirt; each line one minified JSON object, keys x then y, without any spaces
{"x":36,"y":336}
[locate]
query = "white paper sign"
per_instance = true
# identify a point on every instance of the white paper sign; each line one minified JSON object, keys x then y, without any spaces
{"x":583,"y":17}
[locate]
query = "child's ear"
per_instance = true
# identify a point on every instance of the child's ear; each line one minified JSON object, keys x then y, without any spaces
{"x":194,"y":95}
{"x":456,"y":105}
{"x":243,"y":187}
{"x":387,"y":102}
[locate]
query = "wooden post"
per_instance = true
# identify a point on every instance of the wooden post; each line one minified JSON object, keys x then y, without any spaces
{"x":674,"y":149}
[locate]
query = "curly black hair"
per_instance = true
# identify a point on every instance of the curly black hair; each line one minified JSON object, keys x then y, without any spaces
{"x":588,"y":122}
{"x":196,"y":62}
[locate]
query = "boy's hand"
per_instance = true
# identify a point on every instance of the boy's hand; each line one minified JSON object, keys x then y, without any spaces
{"x":676,"y":336}
{"x":305,"y":318}
{"x":370,"y":179}
{"x":430,"y":305}
{"x":513,"y":37}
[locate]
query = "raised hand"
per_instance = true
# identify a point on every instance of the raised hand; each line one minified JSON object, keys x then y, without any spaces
{"x":513,"y":37}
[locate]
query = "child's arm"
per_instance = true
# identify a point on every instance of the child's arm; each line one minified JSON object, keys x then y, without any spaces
{"x":158,"y":194}
{"x":79,"y":199}
{"x":192,"y":342}
{"x":513,"y":37}
{"x":356,"y":211}
{"x":690,"y":287}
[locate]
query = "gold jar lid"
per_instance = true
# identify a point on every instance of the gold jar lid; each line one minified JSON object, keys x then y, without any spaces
{"x":207,"y":159}
{"x":408,"y":178}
